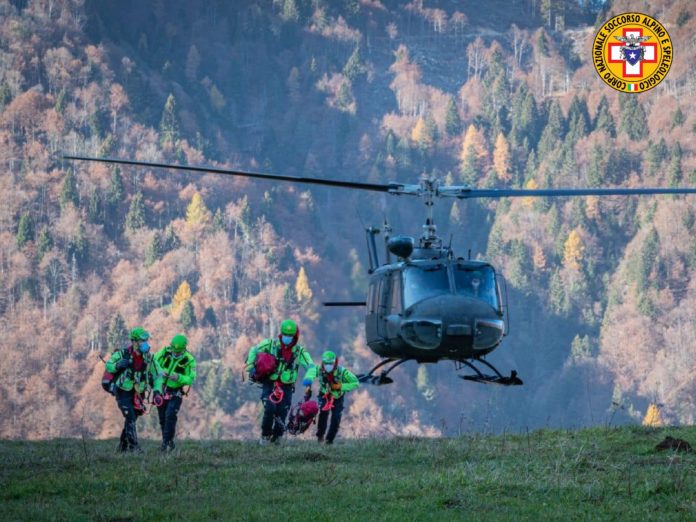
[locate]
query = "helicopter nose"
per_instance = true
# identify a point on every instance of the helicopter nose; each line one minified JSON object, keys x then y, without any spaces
{"x":452,"y":321}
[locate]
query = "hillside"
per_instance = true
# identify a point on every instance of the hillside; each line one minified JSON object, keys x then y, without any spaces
{"x":597,"y":474}
{"x":601,"y":293}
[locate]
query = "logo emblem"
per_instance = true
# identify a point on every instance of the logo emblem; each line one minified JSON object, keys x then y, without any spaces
{"x":632,"y":52}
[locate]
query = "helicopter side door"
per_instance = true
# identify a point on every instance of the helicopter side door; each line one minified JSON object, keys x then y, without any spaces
{"x":375,"y":310}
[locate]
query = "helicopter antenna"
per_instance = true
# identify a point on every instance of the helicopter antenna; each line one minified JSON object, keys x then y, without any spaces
{"x":387,"y":234}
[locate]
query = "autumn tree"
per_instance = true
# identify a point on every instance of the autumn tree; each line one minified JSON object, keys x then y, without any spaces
{"x":653,"y":417}
{"x":573,"y":250}
{"x":501,"y":159}
{"x":197,"y":213}
{"x":181,"y":297}
{"x":302,"y":290}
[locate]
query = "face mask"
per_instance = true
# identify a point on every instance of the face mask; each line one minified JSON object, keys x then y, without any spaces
{"x":144,"y":347}
{"x":329,"y":368}
{"x":287,"y":339}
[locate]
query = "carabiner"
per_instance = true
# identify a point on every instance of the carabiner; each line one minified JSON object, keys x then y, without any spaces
{"x":276,"y":396}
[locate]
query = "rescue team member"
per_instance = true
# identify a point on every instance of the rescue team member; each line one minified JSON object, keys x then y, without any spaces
{"x":274,"y":363}
{"x":176,"y":368}
{"x":334,"y":382}
{"x":135,"y":373}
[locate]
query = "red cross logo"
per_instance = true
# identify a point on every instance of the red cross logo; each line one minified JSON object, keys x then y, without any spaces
{"x":632,"y":71}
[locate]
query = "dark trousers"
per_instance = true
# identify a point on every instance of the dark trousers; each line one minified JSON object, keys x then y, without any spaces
{"x":129,"y":435}
{"x":336,"y":413}
{"x":168,"y":416}
{"x":274,"y":415}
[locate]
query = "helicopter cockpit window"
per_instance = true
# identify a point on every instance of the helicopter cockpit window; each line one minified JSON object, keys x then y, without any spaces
{"x":423,"y":282}
{"x":477,"y":282}
{"x":395,"y":294}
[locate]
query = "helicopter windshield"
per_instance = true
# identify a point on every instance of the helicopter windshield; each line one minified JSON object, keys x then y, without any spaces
{"x":478,"y":282}
{"x":423,"y":282}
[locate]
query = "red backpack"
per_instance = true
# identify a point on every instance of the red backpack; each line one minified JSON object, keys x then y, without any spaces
{"x":302,"y":417}
{"x":265,"y":365}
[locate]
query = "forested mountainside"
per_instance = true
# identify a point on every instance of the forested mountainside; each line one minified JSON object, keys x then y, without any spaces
{"x":601,"y":295}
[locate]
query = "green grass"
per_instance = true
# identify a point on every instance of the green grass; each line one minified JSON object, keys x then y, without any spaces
{"x":595,"y":474}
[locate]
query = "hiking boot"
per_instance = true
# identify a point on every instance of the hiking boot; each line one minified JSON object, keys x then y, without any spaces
{"x":320,"y":439}
{"x":329,"y":441}
{"x":264,"y":441}
{"x":135,"y":449}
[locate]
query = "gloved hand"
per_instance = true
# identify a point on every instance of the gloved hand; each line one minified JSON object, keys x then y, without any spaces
{"x":308,"y":393}
{"x":252,"y":374}
{"x":336,"y":386}
{"x":157,"y":399}
{"x":122,"y":364}
{"x":307,"y":382}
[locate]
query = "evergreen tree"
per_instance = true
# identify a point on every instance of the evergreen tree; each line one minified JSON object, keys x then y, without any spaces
{"x":170,"y":241}
{"x":558,"y":298}
{"x":5,"y":94}
{"x":68,"y":191}
{"x":188,"y":316}
{"x":595,"y":169}
{"x":78,"y":247}
{"x":94,"y":206}
{"x":578,"y":119}
{"x":135,"y":218}
{"x":632,"y":117}
{"x":290,"y":11}
{"x":553,"y":132}
{"x":604,"y":120}
{"x":116,"y":190}
{"x":154,"y":250}
{"x":354,"y":66}
{"x":169,"y":124}
{"x":675,"y":166}
{"x":678,"y":118}
{"x":453,"y":123}
{"x":25,"y":229}
{"x":218,"y":221}
{"x":647,"y":256}
{"x":390,"y":143}
{"x":655,"y":155}
{"x":44,"y":243}
{"x":524,"y":117}
{"x":116,"y":335}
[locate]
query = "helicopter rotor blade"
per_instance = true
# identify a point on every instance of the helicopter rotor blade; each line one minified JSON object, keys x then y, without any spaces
{"x":392,"y":188}
{"x":464,"y":192}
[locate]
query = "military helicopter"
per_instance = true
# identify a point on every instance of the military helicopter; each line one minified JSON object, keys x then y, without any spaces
{"x":428,"y":304}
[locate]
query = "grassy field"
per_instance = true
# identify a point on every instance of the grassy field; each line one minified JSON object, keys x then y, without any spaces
{"x":596,"y":474}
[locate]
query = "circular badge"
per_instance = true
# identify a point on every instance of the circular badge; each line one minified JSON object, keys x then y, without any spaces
{"x":632,"y":52}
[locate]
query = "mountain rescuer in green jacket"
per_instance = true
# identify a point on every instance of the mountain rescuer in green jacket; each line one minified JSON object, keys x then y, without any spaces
{"x":334,"y":382}
{"x":134,"y":373}
{"x":176,"y":368}
{"x":274,"y":364}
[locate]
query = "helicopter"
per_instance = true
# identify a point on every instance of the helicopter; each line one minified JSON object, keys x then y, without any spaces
{"x":427,"y":304}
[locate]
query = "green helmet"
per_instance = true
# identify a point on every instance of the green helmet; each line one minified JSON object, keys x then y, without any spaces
{"x":328,"y":357}
{"x":179,"y":343}
{"x":139,"y":334}
{"x":288,"y":327}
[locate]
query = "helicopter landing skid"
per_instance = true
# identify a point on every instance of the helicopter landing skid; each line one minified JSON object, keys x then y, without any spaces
{"x":498,"y":378}
{"x":382,"y":378}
